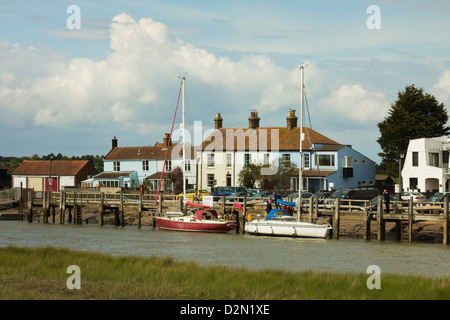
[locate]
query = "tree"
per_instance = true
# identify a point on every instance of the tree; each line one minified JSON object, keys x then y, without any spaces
{"x":413,"y":115}
{"x":249,"y":175}
{"x":281,"y":180}
{"x":176,"y":176}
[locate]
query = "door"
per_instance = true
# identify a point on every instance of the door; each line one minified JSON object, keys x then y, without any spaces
{"x":54,"y":183}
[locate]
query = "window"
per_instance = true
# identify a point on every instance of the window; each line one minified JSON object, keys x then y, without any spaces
{"x":306,"y":159}
{"x":433,"y":159}
{"x":116,"y":166}
{"x":187,"y":165}
{"x":145,"y":165}
{"x":211,"y":180}
{"x":109,"y":183}
{"x":413,"y":182}
{"x":347,"y":162}
{"x":325,"y":160}
{"x":286,"y":157}
{"x":211,"y":160}
{"x":229,"y":162}
{"x":247,"y":159}
{"x":168,"y":165}
{"x":415,"y":159}
{"x":266,"y":158}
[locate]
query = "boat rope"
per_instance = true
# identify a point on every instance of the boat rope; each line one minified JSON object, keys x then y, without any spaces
{"x":167,"y":151}
{"x":312,"y":142}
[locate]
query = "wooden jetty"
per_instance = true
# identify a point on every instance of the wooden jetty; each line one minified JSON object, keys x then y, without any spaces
{"x":72,"y":204}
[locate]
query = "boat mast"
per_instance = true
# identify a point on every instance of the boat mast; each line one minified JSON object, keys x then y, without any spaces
{"x":183,"y":133}
{"x":300,"y":176}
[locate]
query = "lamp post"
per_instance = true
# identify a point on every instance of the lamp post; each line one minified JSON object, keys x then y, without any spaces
{"x":50,"y":180}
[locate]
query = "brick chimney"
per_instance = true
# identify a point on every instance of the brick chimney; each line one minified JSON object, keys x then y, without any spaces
{"x":167,"y":140}
{"x":291,"y":120}
{"x":253,"y":120}
{"x":114,"y":143}
{"x":218,"y":121}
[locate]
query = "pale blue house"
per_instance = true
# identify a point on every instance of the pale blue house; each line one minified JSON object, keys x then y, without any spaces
{"x":131,"y":166}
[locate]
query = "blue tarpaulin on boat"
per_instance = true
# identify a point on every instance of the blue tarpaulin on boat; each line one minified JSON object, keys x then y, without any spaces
{"x":285,"y":203}
{"x":273,"y":213}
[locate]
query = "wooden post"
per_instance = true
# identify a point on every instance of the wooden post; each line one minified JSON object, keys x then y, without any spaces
{"x":316,"y":210}
{"x":101,"y":220}
{"x":160,"y":204}
{"x":122,"y":213}
{"x":244,"y":214}
{"x":366,"y":235}
{"x":30,"y":206}
{"x":140,"y":210}
{"x":116,"y":216}
{"x":445,"y":226}
{"x":61,"y":205}
{"x":44,"y":207}
{"x":381,"y":232}
{"x":223,"y":206}
{"x":410,"y":219}
{"x":53,"y":213}
{"x":336,"y":222}
{"x":310,"y":209}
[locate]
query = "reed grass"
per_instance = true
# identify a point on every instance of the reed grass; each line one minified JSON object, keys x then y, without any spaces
{"x":41,"y":273}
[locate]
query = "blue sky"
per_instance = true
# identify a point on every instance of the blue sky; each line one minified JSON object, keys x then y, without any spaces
{"x":70,"y":91}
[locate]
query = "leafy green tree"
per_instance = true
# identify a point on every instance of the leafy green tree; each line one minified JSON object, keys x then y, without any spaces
{"x":413,"y":115}
{"x":249,"y":175}
{"x":281,"y":180}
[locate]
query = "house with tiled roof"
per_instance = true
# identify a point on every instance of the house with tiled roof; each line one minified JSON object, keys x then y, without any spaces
{"x":131,"y":166}
{"x":38,"y":175}
{"x":326,"y":164}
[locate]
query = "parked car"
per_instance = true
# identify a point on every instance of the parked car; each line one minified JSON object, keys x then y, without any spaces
{"x":416,"y":196}
{"x":356,"y":193}
{"x":322,"y":196}
{"x":219,"y":192}
{"x":191,"y":194}
{"x":239,"y":196}
{"x":294,"y":196}
{"x":439,"y":197}
{"x":374,"y":201}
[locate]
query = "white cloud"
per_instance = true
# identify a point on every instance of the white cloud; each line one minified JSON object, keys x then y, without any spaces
{"x":353,"y":102}
{"x":441,"y":90}
{"x":135,"y":80}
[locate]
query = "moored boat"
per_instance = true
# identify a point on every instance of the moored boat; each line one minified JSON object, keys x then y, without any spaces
{"x":205,"y":220}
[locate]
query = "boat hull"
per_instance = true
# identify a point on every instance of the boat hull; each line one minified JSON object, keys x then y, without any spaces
{"x":193,"y":225}
{"x":286,"y":229}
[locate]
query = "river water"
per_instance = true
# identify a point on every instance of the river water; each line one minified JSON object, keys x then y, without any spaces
{"x":236,"y":250}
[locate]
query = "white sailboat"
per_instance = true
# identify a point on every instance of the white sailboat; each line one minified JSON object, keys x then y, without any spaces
{"x":276,"y":223}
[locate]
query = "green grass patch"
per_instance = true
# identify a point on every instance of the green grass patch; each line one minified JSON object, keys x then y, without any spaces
{"x":41,"y":273}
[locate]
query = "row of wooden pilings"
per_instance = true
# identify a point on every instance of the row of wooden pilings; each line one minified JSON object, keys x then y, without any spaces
{"x":381,"y":218}
{"x":119,"y":216}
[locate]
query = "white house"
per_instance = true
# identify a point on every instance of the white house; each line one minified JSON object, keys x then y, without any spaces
{"x":326,"y":163}
{"x":425,"y":166}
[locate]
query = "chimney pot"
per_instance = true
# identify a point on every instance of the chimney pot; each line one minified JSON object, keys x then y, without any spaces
{"x":114,"y":142}
{"x":253,"y":120}
{"x":167,"y":140}
{"x":218,"y":121}
{"x":291,"y":120}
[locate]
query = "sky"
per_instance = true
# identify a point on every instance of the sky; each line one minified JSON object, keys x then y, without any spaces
{"x":72,"y":78}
